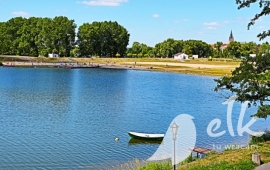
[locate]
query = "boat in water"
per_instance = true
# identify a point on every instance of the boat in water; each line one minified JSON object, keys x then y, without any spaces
{"x":146,"y":136}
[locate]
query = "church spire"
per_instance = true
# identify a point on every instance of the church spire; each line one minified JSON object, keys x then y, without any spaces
{"x":231,"y":39}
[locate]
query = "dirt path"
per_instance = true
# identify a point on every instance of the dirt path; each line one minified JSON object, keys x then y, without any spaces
{"x":182,"y":65}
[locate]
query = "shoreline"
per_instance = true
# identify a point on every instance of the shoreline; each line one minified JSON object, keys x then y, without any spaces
{"x":72,"y":65}
{"x":102,"y":66}
{"x":203,"y":67}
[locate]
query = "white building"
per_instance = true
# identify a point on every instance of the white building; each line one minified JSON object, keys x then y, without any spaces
{"x":195,"y":56}
{"x":252,"y":55}
{"x":53,"y":56}
{"x":180,"y":56}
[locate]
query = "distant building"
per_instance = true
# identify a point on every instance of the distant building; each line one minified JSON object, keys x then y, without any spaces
{"x":195,"y":56}
{"x":231,"y":39}
{"x":252,"y":55}
{"x":223,"y":46}
{"x":180,"y":56}
{"x":53,"y":56}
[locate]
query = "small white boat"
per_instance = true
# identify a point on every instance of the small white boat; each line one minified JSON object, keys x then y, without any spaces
{"x":147,"y":136}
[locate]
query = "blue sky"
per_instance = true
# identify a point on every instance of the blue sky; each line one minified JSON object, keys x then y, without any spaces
{"x":151,"y":21}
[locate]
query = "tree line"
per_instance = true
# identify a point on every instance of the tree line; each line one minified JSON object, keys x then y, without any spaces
{"x":237,"y":49}
{"x":37,"y":36}
{"x":40,"y":36}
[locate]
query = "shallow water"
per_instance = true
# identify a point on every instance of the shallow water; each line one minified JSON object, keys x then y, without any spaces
{"x":69,"y":119}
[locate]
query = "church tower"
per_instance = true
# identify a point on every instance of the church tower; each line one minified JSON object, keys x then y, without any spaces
{"x":231,"y":39}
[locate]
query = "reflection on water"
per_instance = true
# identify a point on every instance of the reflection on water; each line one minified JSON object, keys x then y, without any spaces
{"x":143,"y":142}
{"x":69,"y":119}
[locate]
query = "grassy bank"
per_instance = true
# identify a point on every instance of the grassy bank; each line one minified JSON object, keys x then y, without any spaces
{"x":236,"y":159}
{"x":233,"y":157}
{"x":216,"y":67}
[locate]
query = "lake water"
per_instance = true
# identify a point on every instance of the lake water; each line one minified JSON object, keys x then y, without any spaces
{"x":69,"y":119}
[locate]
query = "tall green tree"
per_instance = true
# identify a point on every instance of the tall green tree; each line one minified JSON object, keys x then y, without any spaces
{"x":63,"y":36}
{"x":4,"y":39}
{"x":103,"y":39}
{"x":198,"y":47}
{"x":264,"y":49}
{"x":248,"y":48}
{"x":168,"y":48}
{"x":234,"y":49}
{"x":217,"y":46}
{"x":250,"y":82}
{"x":37,"y":36}
{"x":13,"y":34}
{"x":139,"y":48}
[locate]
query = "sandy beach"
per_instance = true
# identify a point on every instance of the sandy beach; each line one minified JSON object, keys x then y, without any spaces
{"x":218,"y":67}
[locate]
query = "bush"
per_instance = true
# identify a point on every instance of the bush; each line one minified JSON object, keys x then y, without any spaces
{"x":263,"y":138}
{"x":1,"y":64}
{"x":210,"y":58}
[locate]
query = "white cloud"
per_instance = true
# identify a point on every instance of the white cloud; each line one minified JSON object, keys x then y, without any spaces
{"x":260,"y":20}
{"x":103,"y":2}
{"x":21,"y":13}
{"x":211,"y":28}
{"x":155,"y":15}
{"x":200,"y":33}
{"x":212,"y":25}
{"x":261,"y":27}
{"x":61,"y":10}
{"x":182,"y":20}
{"x":243,"y":19}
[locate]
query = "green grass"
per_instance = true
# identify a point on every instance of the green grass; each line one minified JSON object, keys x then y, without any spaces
{"x":241,"y":165}
{"x":157,"y":166}
{"x":238,"y":159}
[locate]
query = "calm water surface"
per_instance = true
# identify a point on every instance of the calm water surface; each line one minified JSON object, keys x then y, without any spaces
{"x":68,"y":119}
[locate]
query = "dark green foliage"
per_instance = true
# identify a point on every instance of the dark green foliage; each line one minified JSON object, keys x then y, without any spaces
{"x":250,"y":82}
{"x":140,"y":50}
{"x":263,"y":138}
{"x":1,"y":64}
{"x":170,"y":47}
{"x":265,"y":10}
{"x":37,"y":36}
{"x":234,"y":49}
{"x":102,"y":39}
